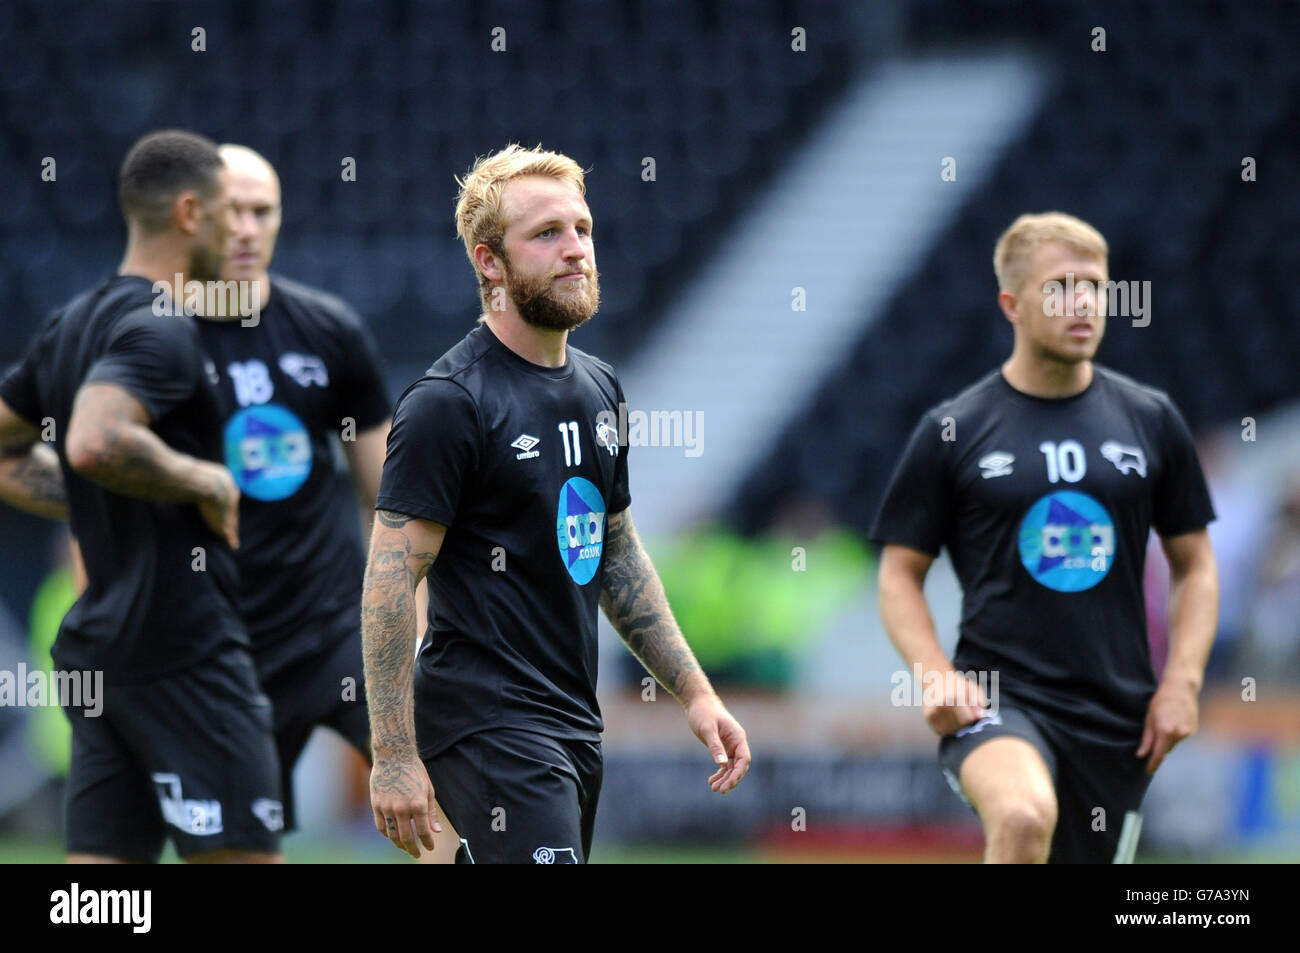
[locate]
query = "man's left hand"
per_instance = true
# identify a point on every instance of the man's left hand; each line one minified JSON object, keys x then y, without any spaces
{"x":1171,"y":717}
{"x":724,"y":738}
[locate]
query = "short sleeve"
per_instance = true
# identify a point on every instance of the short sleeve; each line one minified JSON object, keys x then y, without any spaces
{"x":157,"y":359}
{"x":1181,"y":498}
{"x":18,"y":387}
{"x":916,"y":508}
{"x":358,"y":382}
{"x":433,"y":448}
{"x":620,"y":497}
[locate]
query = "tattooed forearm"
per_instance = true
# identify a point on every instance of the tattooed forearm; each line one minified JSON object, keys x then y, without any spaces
{"x":633,"y":599}
{"x":31,"y":480}
{"x":388,"y":627}
{"x":133,"y":461}
{"x":110,"y":443}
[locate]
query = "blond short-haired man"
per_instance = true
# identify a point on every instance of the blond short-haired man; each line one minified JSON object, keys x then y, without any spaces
{"x":1043,"y":481}
{"x":506,"y":482}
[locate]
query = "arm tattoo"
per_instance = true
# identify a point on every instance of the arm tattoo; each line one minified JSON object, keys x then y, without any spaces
{"x":127,"y":457}
{"x":129,"y":463}
{"x":633,"y":599}
{"x":388,"y":627}
{"x":31,"y":480}
{"x":392,"y":520}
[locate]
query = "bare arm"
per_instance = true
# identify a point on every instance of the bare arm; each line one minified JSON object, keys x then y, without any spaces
{"x":402,"y":549}
{"x":904,"y":610}
{"x":79,"y":578}
{"x":1193,"y":606}
{"x":30,"y":478}
{"x":110,"y":443}
{"x":910,"y":626}
{"x":633,"y":599}
{"x":421,"y":612}
{"x":365,"y":456}
{"x":1193,"y":617}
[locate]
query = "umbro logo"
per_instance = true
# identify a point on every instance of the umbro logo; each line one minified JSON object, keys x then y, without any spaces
{"x":996,"y":464}
{"x":526,"y":443}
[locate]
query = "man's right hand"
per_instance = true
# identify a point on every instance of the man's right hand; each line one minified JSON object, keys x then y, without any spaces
{"x":401,"y":795}
{"x":219,"y":506}
{"x":961,"y":702}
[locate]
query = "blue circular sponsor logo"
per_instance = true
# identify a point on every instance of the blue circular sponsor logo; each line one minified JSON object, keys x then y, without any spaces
{"x":1067,"y":541}
{"x":580,"y":528}
{"x":269,"y":451}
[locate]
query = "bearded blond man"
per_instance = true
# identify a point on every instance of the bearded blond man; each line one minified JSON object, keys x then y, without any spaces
{"x":1043,"y":481}
{"x":506,"y":483}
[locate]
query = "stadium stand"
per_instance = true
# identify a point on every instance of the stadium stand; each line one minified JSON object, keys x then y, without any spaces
{"x":314,"y":82}
{"x":1169,"y":196}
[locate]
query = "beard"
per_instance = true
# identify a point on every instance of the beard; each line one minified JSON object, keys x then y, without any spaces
{"x":540,"y":307}
{"x":206,"y":262}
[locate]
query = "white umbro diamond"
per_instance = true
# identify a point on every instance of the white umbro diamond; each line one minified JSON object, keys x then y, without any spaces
{"x":996,"y":464}
{"x":524,"y":442}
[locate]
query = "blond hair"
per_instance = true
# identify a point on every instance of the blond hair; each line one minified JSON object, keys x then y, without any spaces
{"x":1017,"y":244}
{"x":478,"y":203}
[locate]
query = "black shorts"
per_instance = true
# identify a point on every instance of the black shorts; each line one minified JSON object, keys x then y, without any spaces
{"x":1099,"y":787}
{"x":190,"y":756}
{"x":518,"y":797}
{"x":327,"y":689}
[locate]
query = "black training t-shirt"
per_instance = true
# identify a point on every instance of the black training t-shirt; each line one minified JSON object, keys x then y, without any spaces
{"x":306,"y":373}
{"x":1045,"y":506}
{"x":155,"y":603}
{"x":522,"y":463}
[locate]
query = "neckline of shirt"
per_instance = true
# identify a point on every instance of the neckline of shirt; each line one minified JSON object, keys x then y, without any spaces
{"x":116,"y":279}
{"x":561,"y":373}
{"x":1056,"y":401}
